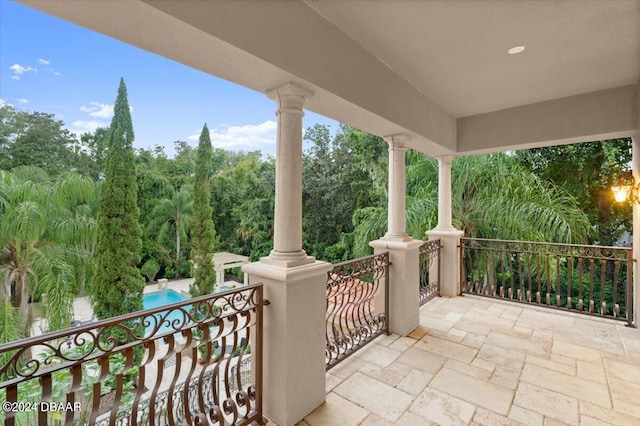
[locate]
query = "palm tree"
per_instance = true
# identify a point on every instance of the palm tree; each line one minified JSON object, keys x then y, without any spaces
{"x":492,"y":197}
{"x":172,"y":213}
{"x":34,"y":257}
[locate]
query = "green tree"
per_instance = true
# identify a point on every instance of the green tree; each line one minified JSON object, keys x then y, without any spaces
{"x":34,"y":139}
{"x":173,"y":213}
{"x":339,"y":178}
{"x":37,"y":218}
{"x":117,"y":285}
{"x":91,"y":152}
{"x":202,"y":230}
{"x":492,"y":197}
{"x":588,"y":171}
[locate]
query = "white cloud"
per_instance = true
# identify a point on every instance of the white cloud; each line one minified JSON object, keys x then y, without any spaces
{"x":44,"y":61}
{"x":19,"y":70}
{"x":22,"y":100}
{"x":98,"y":110}
{"x":247,"y":137}
{"x":4,"y":103}
{"x":81,"y":126}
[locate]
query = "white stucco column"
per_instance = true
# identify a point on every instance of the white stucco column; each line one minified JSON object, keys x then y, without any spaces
{"x":445,"y":231}
{"x":287,"y":239}
{"x":397,"y":212}
{"x":404,"y":272}
{"x":445,"y":220}
{"x":294,"y":283}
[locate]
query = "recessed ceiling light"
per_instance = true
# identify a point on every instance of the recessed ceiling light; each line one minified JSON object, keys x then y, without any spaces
{"x":515,"y":50}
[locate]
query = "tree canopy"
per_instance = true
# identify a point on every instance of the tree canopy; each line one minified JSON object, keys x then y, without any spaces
{"x":93,"y":210}
{"x":117,"y":285}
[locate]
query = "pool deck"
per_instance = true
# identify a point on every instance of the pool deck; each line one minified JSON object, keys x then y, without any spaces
{"x":82,"y":310}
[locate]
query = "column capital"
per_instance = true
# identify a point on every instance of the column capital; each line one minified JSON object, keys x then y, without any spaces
{"x":290,"y":91}
{"x":447,"y":159}
{"x":398,"y":141}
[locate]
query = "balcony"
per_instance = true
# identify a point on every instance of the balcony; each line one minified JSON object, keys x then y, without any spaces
{"x":490,"y":362}
{"x":499,"y":356}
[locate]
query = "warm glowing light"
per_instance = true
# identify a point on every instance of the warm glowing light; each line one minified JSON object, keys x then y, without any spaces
{"x":621,"y":192}
{"x":515,"y":50}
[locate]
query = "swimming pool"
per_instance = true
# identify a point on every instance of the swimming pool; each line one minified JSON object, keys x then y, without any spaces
{"x":163,"y":298}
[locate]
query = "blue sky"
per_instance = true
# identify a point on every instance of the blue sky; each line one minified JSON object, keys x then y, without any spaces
{"x":50,"y":65}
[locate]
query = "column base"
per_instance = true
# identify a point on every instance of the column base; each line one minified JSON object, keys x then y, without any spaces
{"x":396,"y":237}
{"x":288,"y":259}
{"x":294,"y":338}
{"x":449,"y":259}
{"x":404,"y":282}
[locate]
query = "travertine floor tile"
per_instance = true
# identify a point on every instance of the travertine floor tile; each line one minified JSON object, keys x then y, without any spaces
{"x":607,"y":415}
{"x":501,"y":356}
{"x":506,"y":377}
{"x":574,"y":351}
{"x":385,"y":340}
{"x":485,"y":417}
{"x":473,"y":327}
{"x":422,"y":360}
{"x":447,"y":349}
{"x":410,"y":419}
{"x":332,"y":381}
{"x":385,"y":375}
{"x":442,"y":409}
{"x":336,"y":411}
{"x":415,"y":382}
{"x":378,"y":355}
{"x":478,"y":361}
{"x":591,"y":421}
{"x":437,"y":324}
{"x":623,"y":390}
{"x":518,"y":344}
{"x":452,"y":335}
{"x":552,"y":365}
{"x":630,"y":408}
{"x":473,"y":390}
{"x":474,"y":340}
{"x":469,"y":369}
{"x":591,"y":371}
{"x":525,"y":416}
{"x":347,"y":367}
{"x":548,"y":403}
{"x":575,"y":387}
{"x":622,"y":370}
{"x":402,"y":344}
{"x":375,"y":420}
{"x":375,"y":396}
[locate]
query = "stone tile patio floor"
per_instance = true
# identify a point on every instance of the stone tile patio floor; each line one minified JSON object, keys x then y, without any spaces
{"x":478,"y":361}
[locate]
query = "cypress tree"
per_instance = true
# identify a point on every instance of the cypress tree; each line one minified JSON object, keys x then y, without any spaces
{"x":202,"y":230}
{"x":117,"y":285}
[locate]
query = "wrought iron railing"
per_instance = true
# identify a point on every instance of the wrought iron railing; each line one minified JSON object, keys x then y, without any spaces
{"x":429,"y":270}
{"x":357,"y":305}
{"x":184,"y":363}
{"x":591,"y":280}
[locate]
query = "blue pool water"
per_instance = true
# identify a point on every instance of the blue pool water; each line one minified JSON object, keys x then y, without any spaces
{"x":162,"y":298}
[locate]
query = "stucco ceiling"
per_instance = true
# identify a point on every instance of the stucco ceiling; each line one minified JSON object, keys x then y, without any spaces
{"x":435,"y":70}
{"x":456,"y":51}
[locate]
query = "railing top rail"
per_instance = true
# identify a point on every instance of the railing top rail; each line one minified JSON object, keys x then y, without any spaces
{"x":371,"y":256}
{"x":36,"y":340}
{"x":586,"y":246}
